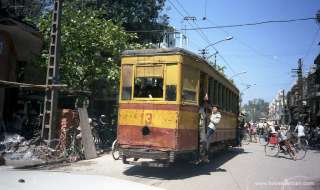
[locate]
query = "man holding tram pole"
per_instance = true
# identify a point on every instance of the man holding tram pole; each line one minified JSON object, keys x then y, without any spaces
{"x":213,"y":124}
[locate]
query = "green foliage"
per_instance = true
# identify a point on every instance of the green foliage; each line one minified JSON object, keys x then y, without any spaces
{"x":90,"y":46}
{"x":135,"y":15}
{"x":255,"y":109}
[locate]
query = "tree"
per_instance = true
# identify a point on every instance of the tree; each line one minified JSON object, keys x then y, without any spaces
{"x":91,"y":46}
{"x":132,"y":15}
{"x":136,"y":15}
{"x":256,"y":108}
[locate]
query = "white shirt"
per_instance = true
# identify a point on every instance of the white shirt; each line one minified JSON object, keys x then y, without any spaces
{"x":214,"y":120}
{"x":300,"y":129}
{"x":272,"y":129}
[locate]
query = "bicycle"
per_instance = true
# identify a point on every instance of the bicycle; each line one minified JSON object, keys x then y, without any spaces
{"x":115,"y":150}
{"x":300,"y":148}
{"x":297,"y":151}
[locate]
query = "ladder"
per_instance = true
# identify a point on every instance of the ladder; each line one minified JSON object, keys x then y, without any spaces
{"x":49,"y":122}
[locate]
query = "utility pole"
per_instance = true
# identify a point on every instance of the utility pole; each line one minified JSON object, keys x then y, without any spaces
{"x":300,"y":84}
{"x":299,"y":75}
{"x":203,"y":53}
{"x":187,"y":19}
{"x":283,"y":107}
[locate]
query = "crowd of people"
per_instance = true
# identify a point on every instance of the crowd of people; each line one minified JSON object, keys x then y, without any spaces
{"x":254,"y":132}
{"x":261,"y":131}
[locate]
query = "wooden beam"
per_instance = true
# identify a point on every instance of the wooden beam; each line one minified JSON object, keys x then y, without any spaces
{"x":27,"y":85}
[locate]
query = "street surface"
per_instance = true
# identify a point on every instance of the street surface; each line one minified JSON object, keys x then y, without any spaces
{"x":234,"y":169}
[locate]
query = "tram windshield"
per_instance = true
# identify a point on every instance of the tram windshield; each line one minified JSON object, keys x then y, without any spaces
{"x":148,"y":87}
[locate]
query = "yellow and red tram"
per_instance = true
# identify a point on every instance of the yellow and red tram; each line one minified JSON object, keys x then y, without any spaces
{"x":160,"y":94}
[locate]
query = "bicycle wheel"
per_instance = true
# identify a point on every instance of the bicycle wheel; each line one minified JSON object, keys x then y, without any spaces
{"x":115,"y":150}
{"x":301,"y":149}
{"x":271,"y":149}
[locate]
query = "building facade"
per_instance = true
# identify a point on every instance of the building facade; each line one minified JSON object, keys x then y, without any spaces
{"x":303,"y":99}
{"x":277,"y":108}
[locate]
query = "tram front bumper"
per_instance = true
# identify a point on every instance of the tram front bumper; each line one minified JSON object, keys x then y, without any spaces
{"x":144,"y":153}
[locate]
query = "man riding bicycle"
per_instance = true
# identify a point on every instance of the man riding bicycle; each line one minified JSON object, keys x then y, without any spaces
{"x":283,"y":141}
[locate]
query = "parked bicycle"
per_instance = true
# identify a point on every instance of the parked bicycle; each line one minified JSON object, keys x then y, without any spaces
{"x":115,"y":150}
{"x":103,"y":132}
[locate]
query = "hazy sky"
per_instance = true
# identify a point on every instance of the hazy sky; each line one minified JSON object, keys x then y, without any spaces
{"x":266,"y":52}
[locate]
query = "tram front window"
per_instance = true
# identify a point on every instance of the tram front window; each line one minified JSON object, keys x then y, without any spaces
{"x":148,"y":87}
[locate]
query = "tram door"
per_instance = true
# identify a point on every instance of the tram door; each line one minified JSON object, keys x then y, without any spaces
{"x":203,"y":104}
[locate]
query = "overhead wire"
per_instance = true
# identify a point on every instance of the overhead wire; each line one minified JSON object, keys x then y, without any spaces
{"x":231,"y":25}
{"x":181,"y":14}
{"x":200,"y":32}
{"x":204,"y":37}
{"x":254,"y":50}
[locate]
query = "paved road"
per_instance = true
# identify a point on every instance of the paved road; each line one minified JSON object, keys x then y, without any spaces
{"x":234,"y":169}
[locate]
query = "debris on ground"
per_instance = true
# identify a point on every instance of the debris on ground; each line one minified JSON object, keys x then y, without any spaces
{"x":16,"y":147}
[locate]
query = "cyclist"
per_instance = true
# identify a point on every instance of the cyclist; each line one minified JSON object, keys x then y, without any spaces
{"x":283,"y":141}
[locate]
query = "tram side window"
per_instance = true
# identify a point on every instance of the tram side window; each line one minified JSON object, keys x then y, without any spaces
{"x":148,"y":82}
{"x":219,"y":94}
{"x":171,"y":82}
{"x":190,"y":82}
{"x":227,"y":99}
{"x":222,"y":97}
{"x":126,"y":82}
{"x":211,"y":90}
{"x":216,"y":93}
{"x":232,"y":102}
{"x":236,"y":103}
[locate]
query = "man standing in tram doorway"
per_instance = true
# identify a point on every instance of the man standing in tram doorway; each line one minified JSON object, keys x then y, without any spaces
{"x":213,"y":124}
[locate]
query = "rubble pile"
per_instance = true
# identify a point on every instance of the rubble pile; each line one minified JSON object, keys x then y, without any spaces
{"x":16,"y":147}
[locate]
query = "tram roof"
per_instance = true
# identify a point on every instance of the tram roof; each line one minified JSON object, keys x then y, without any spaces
{"x":169,"y":51}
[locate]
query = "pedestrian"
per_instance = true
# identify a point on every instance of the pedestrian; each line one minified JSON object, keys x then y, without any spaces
{"x":213,"y":124}
{"x":253,"y":133}
{"x":300,"y":130}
